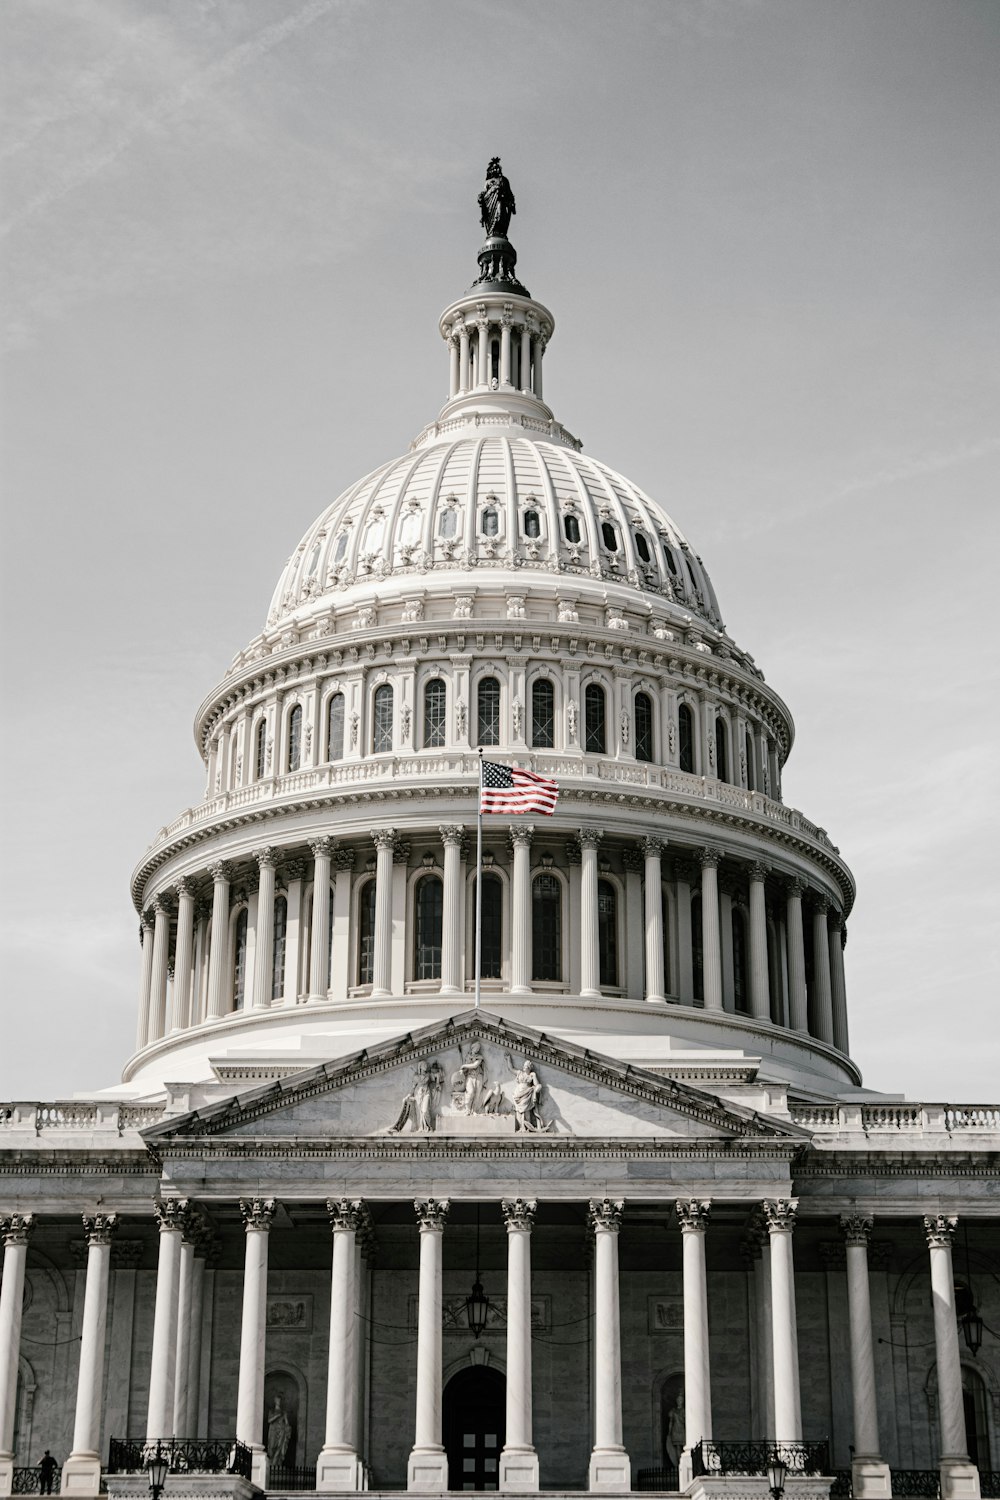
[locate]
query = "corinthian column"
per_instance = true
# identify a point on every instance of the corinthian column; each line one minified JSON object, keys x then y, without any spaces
{"x":263,"y":959}
{"x":797,"y":1002}
{"x":610,"y":1470}
{"x":15,"y":1230}
{"x":145,"y":979}
{"x":870,"y":1475}
{"x":183,"y":949}
{"x":520,"y":910}
{"x":821,"y":971}
{"x":81,"y":1473}
{"x":519,"y":1461}
{"x":760,"y":992}
{"x":779,"y":1214}
{"x":385,"y":844}
{"x":711,"y":941}
{"x":590,"y":953}
{"x":837,"y":938}
{"x":655,"y":982}
{"x":959,"y":1477}
{"x":428,"y":1465}
{"x":218,"y":955}
{"x":158,"y":981}
{"x":339,"y":1467}
{"x":319,"y":946}
{"x":693,"y":1218}
{"x":171,"y":1219}
{"x":451,"y":926}
{"x":257,"y":1215}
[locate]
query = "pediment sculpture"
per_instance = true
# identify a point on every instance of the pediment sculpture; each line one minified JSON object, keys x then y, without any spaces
{"x":475,"y":1097}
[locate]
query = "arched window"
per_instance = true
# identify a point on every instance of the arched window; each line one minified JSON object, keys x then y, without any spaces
{"x":240,"y":960}
{"x":532,"y":525}
{"x":543,"y":714}
{"x":295,"y":738}
{"x":643,"y":727}
{"x":491,"y":522}
{"x":260,"y":751}
{"x":280,"y":940}
{"x":697,"y":949}
{"x":488,"y":712}
{"x":428,"y":903}
{"x":721,"y":747}
{"x":642,"y":547}
{"x":741,"y":985}
{"x":492,"y":927}
{"x":366,"y":933}
{"x":434,"y":713}
{"x":595,"y":725}
{"x":607,"y":932}
{"x":546,"y":928}
{"x":571,"y":526}
{"x":382,"y":719}
{"x":610,"y":536}
{"x":751,"y":767}
{"x":449,"y":522}
{"x":669,"y":555}
{"x":341,"y":547}
{"x":335,"y":728}
{"x":685,"y":736}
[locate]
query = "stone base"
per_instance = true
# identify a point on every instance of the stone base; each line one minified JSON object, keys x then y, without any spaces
{"x":427,"y":1470}
{"x":870,"y":1479}
{"x":259,"y":1466}
{"x":81,"y":1475}
{"x":610,"y":1471}
{"x":959,"y":1479}
{"x":6,"y":1474}
{"x":750,"y":1486}
{"x":519,"y":1471}
{"x":195,"y":1486}
{"x":339,"y":1472}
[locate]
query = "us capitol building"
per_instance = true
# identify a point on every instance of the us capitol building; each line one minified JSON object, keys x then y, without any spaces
{"x":628,"y":1224}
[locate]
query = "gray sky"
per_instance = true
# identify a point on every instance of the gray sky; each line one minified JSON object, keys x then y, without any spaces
{"x":768,"y":232}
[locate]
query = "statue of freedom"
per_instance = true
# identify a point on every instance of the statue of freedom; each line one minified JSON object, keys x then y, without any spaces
{"x":496,"y":202}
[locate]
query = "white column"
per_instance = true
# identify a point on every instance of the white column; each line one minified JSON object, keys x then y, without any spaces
{"x":760,"y":991}
{"x":158,"y":979}
{"x":453,"y":372}
{"x":693,"y":1218}
{"x":263,"y":960}
{"x":385,"y":844}
{"x":821,"y":971}
{"x":463,"y":358}
{"x":610,"y":1470}
{"x":590,"y":961}
{"x":520,"y":910}
{"x":525,"y":359}
{"x":519,"y":1461}
{"x":711,"y":943}
{"x":192,"y":1384}
{"x":319,"y":944}
{"x":484,"y":351}
{"x":145,"y":979}
{"x":837,"y":938}
{"x":428,"y":1465}
{"x":171,"y":1218}
{"x":339,"y":1467}
{"x":257,"y":1215}
{"x":505,"y":352}
{"x":15,"y":1230}
{"x":540,"y":343}
{"x":683,"y":874}
{"x":959,"y":1477}
{"x":180,"y":1018}
{"x":451,"y":930}
{"x":218,"y":955}
{"x":186,"y":1331}
{"x":760,"y":1253}
{"x":655,"y":981}
{"x":798,"y":1017}
{"x":780,"y":1216}
{"x":81,"y":1473}
{"x":870,"y":1475}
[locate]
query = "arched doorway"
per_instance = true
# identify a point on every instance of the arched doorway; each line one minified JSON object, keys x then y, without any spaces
{"x":474,"y":1427}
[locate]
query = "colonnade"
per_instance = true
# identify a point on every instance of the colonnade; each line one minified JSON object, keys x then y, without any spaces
{"x":521,"y":345}
{"x":340,"y":1465}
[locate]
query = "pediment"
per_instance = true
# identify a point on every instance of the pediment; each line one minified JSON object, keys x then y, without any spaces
{"x":472,"y":1076}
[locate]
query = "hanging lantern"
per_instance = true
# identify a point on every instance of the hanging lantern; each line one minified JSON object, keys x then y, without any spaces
{"x":477,"y":1308}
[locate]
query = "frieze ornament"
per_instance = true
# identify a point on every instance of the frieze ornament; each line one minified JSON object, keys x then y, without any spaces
{"x":432,"y":1214}
{"x":857,"y":1228}
{"x":519,"y":1213}
{"x":171,"y":1214}
{"x":257,"y":1213}
{"x":693,"y":1214}
{"x":940,"y":1230}
{"x":100,"y":1228}
{"x":16,"y":1229}
{"x":346,"y":1214}
{"x":605,"y":1214}
{"x":780,"y":1214}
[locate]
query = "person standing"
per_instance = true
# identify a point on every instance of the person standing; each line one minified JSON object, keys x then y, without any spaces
{"x":47,"y":1470}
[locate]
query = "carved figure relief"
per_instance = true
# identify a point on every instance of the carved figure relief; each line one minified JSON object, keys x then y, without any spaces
{"x":526,"y":1098}
{"x":479,"y":1096}
{"x":460,"y":718}
{"x":404,"y":721}
{"x":571,"y":713}
{"x":624,"y":726}
{"x":420,"y":1107}
{"x":473,"y":1094}
{"x":354,"y":729}
{"x":516,"y":710}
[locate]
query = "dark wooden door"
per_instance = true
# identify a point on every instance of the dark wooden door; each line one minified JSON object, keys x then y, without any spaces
{"x":474,"y":1427}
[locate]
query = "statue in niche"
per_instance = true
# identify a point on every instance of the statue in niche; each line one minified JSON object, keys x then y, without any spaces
{"x":479,"y":1096}
{"x":496,"y":201}
{"x":526,"y":1097}
{"x":420,"y":1107}
{"x":279,"y":1433}
{"x":673,"y":1425}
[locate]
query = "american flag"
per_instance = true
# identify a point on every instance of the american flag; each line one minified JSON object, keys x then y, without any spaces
{"x":508,"y":789}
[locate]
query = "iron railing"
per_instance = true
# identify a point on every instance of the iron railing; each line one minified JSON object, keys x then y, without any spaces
{"x":29,"y":1482}
{"x":183,"y":1455}
{"x":989,"y":1484}
{"x":663,"y":1480}
{"x":925,"y":1482}
{"x":842,"y":1487}
{"x":289,"y":1478}
{"x":753,"y":1456}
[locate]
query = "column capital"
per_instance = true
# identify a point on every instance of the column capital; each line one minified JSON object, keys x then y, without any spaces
{"x":693,"y":1214}
{"x":147,"y":919}
{"x":684,"y":870}
{"x":836,"y":918}
{"x":17,"y":1229}
{"x":266,"y":857}
{"x":221,"y":870}
{"x":650,"y":845}
{"x":257,"y":1213}
{"x":779,"y":1214}
{"x":857,"y":1228}
{"x":432,"y":1214}
{"x":170,"y":1214}
{"x":346,"y":1213}
{"x":519,"y":1213}
{"x":293,"y":869}
{"x":100,"y":1228}
{"x":759,"y":870}
{"x":321,"y":848}
{"x":940,"y":1229}
{"x":591,"y":837}
{"x":521,"y":833}
{"x":384,"y":838}
{"x":821,"y":903}
{"x":605,"y":1215}
{"x":632,"y":859}
{"x":451,"y":833}
{"x":795,"y":886}
{"x":185,"y":886}
{"x":162,"y":903}
{"x":710,"y":856}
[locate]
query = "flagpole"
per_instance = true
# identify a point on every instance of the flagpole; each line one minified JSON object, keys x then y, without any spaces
{"x":479,"y":880}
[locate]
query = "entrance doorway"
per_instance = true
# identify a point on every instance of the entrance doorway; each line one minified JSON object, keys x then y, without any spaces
{"x":474,"y":1421}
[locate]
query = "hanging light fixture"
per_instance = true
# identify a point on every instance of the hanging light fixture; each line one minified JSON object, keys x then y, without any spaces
{"x":972,"y":1323}
{"x":477,"y":1304}
{"x":157,"y":1467}
{"x":777,"y":1471}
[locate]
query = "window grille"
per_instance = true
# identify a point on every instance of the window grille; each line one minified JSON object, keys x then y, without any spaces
{"x":429,"y":903}
{"x":492,"y":927}
{"x":488,"y":711}
{"x":435,"y":702}
{"x":685,"y":735}
{"x":335,"y":728}
{"x":595,"y":728}
{"x":295,"y":738}
{"x":280,"y":939}
{"x":260,"y":753}
{"x":366,"y":933}
{"x":382,"y":719}
{"x":607,"y":932}
{"x":643,"y":727}
{"x":543,"y":712}
{"x":240,"y":961}
{"x":546,"y":928}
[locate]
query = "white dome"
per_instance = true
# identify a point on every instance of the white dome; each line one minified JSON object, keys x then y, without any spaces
{"x":509,"y":499}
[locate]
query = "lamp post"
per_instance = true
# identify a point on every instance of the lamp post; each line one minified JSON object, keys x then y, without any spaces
{"x":158,"y":1467}
{"x":777,"y":1469}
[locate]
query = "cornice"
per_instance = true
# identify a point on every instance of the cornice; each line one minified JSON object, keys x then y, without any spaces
{"x":936,"y":1163}
{"x":386,"y":1148}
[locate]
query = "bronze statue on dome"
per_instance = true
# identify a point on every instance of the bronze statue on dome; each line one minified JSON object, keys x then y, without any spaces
{"x":496,"y":202}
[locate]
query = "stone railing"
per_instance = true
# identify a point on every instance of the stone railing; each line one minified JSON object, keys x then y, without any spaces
{"x":77,"y":1115}
{"x":898,"y":1119}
